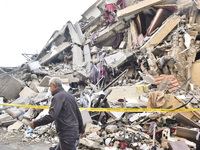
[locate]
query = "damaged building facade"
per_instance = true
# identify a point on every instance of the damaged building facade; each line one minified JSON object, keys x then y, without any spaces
{"x":121,"y":54}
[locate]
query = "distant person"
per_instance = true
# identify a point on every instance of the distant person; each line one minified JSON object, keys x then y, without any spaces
{"x":65,"y":112}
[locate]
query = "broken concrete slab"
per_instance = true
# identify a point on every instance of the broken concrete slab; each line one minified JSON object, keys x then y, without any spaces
{"x":82,"y":75}
{"x":45,"y":81}
{"x":136,"y":8}
{"x":10,"y":87}
{"x":26,"y":121}
{"x":86,"y":117}
{"x":1,"y":71}
{"x":130,"y":93}
{"x":34,"y":85}
{"x":30,"y":114}
{"x":116,"y":115}
{"x":1,"y":102}
{"x":107,"y":36}
{"x":7,"y":122}
{"x":111,"y":129}
{"x":34,"y":66}
{"x":42,"y":129}
{"x":5,"y":117}
{"x":77,"y":57}
{"x":56,"y":39}
{"x":66,"y":79}
{"x":79,"y":32}
{"x":94,"y":137}
{"x":16,"y":126}
{"x":42,"y":96}
{"x":25,"y":100}
{"x":92,"y":12}
{"x":91,"y":128}
{"x":74,"y":34}
{"x":115,"y":60}
{"x":14,"y":112}
{"x":163,"y":31}
{"x":52,"y":54}
{"x":27,"y":92}
{"x":87,"y":56}
{"x":89,"y":143}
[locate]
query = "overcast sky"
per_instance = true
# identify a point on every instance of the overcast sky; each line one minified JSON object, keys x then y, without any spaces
{"x":26,"y":25}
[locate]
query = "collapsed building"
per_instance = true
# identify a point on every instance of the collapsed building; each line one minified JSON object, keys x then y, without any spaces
{"x":122,"y":53}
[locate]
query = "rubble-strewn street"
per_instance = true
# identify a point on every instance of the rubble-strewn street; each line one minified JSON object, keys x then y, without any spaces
{"x":122,"y":54}
{"x":16,"y":141}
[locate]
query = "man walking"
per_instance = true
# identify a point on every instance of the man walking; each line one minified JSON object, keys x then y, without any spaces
{"x":65,"y":112}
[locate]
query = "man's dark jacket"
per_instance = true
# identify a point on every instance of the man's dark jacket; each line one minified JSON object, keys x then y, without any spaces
{"x":65,"y":112}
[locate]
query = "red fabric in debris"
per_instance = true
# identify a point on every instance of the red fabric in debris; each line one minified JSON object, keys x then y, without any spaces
{"x":110,"y":8}
{"x":110,"y":18}
{"x":123,"y":145}
{"x":118,"y":40}
{"x":122,"y":3}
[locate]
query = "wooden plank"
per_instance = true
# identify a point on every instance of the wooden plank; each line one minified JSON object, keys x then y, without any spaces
{"x":197,"y":2}
{"x":163,"y":31}
{"x":198,"y":19}
{"x":138,"y":24}
{"x":136,"y":8}
{"x":186,"y":121}
{"x":158,"y":19}
{"x":195,"y":73}
{"x":197,"y":28}
{"x":129,"y":44}
{"x":134,"y":32}
{"x":186,"y":133}
{"x":193,"y":15}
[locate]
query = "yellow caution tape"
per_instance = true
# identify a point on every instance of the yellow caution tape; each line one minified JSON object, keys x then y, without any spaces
{"x":110,"y":109}
{"x":26,"y":106}
{"x":138,"y":109}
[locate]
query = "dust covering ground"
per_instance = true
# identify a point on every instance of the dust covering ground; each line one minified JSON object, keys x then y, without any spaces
{"x":16,"y":141}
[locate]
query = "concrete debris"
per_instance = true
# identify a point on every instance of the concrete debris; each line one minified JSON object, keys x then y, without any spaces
{"x":10,"y":87}
{"x":1,"y":101}
{"x":120,"y":54}
{"x":14,"y":112}
{"x":86,"y":117}
{"x":27,"y":92}
{"x":16,"y":126}
{"x":5,"y":117}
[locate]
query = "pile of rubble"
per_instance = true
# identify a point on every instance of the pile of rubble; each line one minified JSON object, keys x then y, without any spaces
{"x":121,"y":54}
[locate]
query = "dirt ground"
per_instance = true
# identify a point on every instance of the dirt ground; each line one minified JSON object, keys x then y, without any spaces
{"x":15,"y":141}
{"x":33,"y":146}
